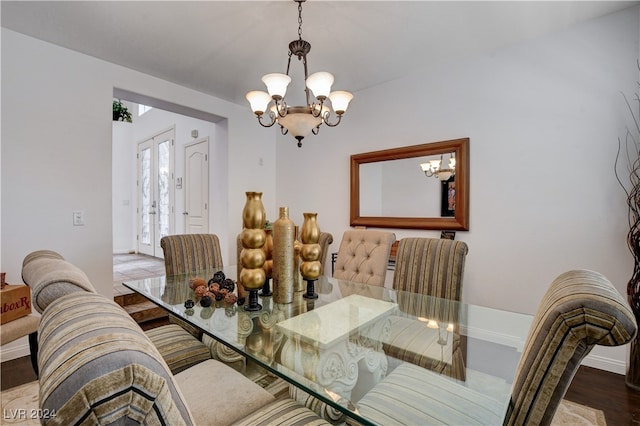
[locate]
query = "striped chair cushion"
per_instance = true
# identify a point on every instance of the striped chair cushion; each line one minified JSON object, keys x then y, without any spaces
{"x":411,"y":395}
{"x":284,"y":411}
{"x":363,"y":256}
{"x":178,"y":348}
{"x":98,"y":367}
{"x":50,"y":276}
{"x":579,"y":310}
{"x":190,"y":252}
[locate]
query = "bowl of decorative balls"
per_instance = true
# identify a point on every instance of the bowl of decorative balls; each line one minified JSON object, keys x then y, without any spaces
{"x":217,"y":289}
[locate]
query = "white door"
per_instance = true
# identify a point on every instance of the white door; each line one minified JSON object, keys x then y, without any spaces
{"x":155,"y":192}
{"x":196,"y":186}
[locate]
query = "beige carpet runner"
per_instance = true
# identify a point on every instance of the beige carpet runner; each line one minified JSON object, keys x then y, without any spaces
{"x":19,"y":406}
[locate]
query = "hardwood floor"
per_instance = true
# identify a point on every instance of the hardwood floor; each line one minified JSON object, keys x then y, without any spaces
{"x":607,"y":392}
{"x":596,"y":388}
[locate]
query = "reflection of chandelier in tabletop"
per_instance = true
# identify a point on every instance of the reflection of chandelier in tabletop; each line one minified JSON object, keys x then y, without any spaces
{"x":299,"y":120}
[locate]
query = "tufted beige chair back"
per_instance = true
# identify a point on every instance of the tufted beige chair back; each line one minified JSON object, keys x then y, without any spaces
{"x":363,"y":256}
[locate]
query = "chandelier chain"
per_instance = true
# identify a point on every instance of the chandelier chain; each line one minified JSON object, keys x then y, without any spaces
{"x":300,"y":20}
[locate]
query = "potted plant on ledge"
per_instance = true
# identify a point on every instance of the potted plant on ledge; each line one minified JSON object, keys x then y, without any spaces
{"x":121,"y":112}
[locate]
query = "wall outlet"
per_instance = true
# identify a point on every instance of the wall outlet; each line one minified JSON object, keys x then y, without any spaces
{"x":78,"y":218}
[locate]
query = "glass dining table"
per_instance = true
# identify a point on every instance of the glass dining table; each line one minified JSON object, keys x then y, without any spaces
{"x":339,"y":347}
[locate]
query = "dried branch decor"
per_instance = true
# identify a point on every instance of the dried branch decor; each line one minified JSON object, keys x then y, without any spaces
{"x":629,"y":151}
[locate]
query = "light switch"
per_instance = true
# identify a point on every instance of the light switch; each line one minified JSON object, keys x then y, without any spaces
{"x":78,"y":218}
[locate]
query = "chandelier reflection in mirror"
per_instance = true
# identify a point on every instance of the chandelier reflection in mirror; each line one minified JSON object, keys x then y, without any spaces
{"x":434,"y":168}
{"x":299,"y":121}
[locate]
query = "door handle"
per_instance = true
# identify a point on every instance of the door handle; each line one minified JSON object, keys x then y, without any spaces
{"x":152,"y":212}
{"x":185,"y":213}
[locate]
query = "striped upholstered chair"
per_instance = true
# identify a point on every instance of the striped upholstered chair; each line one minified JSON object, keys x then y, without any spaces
{"x":363,"y":256}
{"x":50,"y":276}
{"x":580,"y":309}
{"x":184,"y":253}
{"x":433,"y":267}
{"x":98,"y":367}
{"x":430,"y":266}
{"x":190,"y":252}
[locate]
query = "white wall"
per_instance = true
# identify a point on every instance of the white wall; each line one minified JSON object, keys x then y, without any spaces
{"x":57,"y":147}
{"x":543,"y":118}
{"x":124,"y":170}
{"x":123,"y":187}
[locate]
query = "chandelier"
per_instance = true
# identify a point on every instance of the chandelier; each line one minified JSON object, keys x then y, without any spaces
{"x":434,"y":168}
{"x":299,"y":121}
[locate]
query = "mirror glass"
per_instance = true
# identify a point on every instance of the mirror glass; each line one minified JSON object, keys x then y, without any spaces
{"x":390,"y":189}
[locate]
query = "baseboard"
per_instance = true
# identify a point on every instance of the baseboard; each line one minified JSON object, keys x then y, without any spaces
{"x":606,"y":364}
{"x":507,"y":337}
{"x":124,"y":251}
{"x":14,"y":351}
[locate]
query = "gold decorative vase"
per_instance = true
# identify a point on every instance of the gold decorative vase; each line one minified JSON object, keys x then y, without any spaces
{"x":310,"y":266}
{"x":283,"y":257}
{"x":267,"y":248}
{"x":298,"y":282}
{"x":252,"y":257}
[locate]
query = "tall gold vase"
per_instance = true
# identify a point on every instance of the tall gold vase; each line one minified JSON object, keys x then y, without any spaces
{"x":310,"y":267}
{"x":267,"y":248}
{"x":252,"y":275}
{"x":283,"y":257}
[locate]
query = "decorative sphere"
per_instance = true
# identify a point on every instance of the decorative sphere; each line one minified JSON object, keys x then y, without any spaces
{"x":310,"y":252}
{"x":205,"y":301}
{"x":228,"y":284}
{"x":252,"y":279}
{"x":218,"y":277}
{"x":268,"y":267}
{"x":253,"y":238}
{"x":197,"y":282}
{"x":252,"y":258}
{"x":310,"y":270}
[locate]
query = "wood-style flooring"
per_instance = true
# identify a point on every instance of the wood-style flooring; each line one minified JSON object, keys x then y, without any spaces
{"x":593,"y":387}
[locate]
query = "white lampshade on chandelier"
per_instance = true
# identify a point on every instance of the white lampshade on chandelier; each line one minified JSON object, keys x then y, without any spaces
{"x":435,"y":168}
{"x":299,"y":121}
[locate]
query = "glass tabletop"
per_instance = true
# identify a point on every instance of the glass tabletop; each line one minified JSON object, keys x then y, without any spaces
{"x":343,"y":344}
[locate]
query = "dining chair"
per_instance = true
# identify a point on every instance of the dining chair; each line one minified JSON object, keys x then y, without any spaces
{"x":50,"y":277}
{"x":363,"y":256}
{"x":433,"y":267}
{"x":579,"y":310}
{"x":186,"y":253}
{"x":190,"y":252}
{"x":430,"y":266}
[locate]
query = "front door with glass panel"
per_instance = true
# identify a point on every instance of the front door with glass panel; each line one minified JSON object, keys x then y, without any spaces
{"x":155,"y":192}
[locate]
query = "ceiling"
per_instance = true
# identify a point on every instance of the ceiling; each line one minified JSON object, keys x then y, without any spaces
{"x":224,"y":47}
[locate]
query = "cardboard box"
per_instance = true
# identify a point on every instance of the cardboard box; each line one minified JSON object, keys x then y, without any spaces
{"x":15,"y":302}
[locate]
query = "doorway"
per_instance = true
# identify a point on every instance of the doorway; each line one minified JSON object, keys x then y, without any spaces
{"x":196,"y":187}
{"x":155,"y":193}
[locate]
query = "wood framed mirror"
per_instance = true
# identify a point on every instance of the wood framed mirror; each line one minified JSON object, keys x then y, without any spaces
{"x":389,"y":189}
